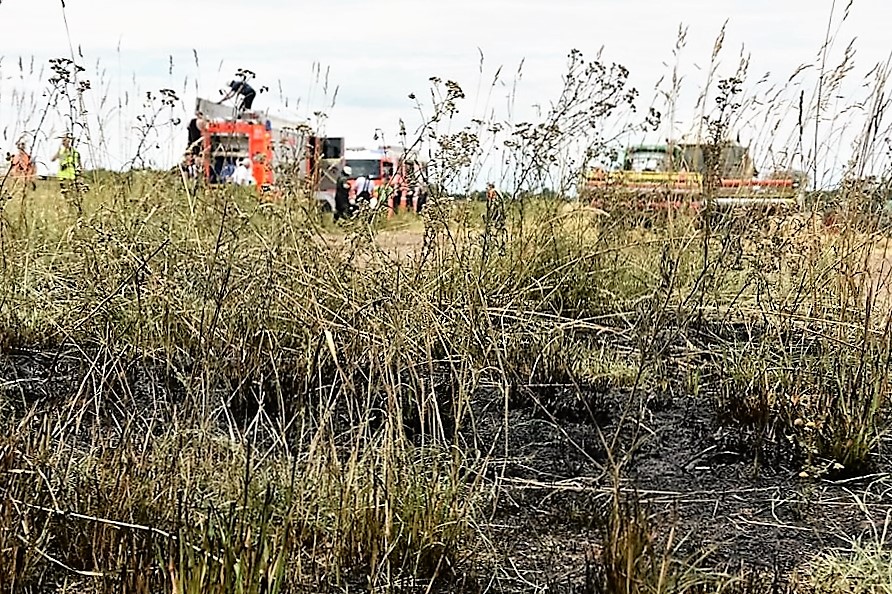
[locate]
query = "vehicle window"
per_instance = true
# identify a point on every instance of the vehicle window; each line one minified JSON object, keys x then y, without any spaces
{"x":648,"y":161}
{"x":364,"y":168}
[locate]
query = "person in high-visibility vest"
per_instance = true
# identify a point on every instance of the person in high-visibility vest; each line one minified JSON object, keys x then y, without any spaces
{"x":69,"y":161}
{"x":70,"y":172}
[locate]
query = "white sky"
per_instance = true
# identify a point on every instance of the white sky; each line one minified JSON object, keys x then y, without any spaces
{"x":376,"y":53}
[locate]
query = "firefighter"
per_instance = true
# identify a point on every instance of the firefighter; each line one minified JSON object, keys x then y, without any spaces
{"x":69,"y":161}
{"x":491,"y":192}
{"x":22,"y":168}
{"x":384,"y":192}
{"x":69,"y":172}
{"x":196,"y":127}
{"x":342,"y":193}
{"x":245,"y":92}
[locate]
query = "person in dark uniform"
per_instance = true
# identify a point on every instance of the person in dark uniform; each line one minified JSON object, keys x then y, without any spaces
{"x":342,"y":194}
{"x":196,"y":126}
{"x":246,"y":93}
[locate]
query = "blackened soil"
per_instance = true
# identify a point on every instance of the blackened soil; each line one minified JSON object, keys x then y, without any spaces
{"x":730,"y":498}
{"x":95,"y":388}
{"x":735,"y":499}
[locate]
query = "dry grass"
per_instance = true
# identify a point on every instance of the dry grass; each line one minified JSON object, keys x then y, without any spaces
{"x":207,"y":392}
{"x":239,"y":399}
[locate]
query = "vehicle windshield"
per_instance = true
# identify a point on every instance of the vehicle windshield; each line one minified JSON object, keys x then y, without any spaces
{"x":370,"y":168}
{"x":647,"y":161}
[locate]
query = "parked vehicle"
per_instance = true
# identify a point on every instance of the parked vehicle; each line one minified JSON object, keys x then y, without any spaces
{"x":679,"y":176}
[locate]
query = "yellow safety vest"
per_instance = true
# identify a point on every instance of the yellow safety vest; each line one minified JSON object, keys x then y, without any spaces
{"x":69,"y":163}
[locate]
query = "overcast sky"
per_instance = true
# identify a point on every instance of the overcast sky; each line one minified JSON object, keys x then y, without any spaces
{"x":377,"y":53}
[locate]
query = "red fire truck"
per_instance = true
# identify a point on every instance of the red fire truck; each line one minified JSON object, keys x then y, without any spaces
{"x":275,"y":147}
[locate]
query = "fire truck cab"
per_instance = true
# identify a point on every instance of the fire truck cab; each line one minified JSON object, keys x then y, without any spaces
{"x":373,"y":164}
{"x":376,"y":164}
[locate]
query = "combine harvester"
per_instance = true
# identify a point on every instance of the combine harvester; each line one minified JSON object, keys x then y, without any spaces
{"x":277,"y":148}
{"x":658,"y":178}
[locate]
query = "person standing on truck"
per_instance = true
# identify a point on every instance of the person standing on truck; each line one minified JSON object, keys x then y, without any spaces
{"x":245,"y":92}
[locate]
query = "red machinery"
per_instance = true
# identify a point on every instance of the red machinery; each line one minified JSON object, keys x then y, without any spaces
{"x":273,"y":145}
{"x":227,"y":142}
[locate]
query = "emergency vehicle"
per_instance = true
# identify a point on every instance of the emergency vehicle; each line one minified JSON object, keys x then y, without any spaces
{"x":275,"y":146}
{"x":385,"y":161}
{"x":674,"y":176}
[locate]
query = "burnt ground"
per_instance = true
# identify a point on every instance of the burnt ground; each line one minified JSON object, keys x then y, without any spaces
{"x":731,"y":500}
{"x":735,"y":503}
